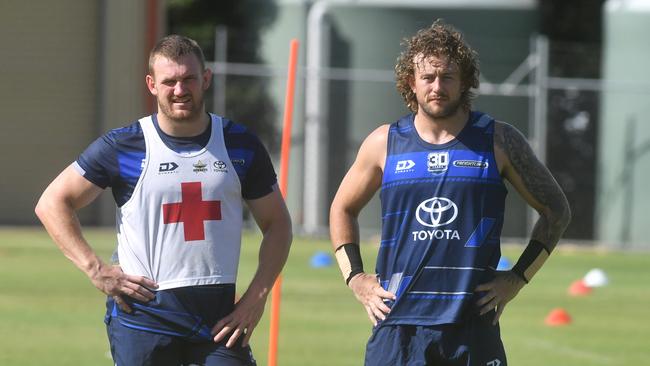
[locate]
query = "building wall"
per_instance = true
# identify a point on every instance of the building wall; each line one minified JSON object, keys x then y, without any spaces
{"x":122,"y":91}
{"x":70,"y":70}
{"x":48,"y":70}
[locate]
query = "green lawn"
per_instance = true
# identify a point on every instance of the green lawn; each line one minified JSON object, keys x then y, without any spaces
{"x":51,"y":314}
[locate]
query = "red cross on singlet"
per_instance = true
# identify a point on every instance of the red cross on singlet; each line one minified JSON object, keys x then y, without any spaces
{"x":192,"y":211}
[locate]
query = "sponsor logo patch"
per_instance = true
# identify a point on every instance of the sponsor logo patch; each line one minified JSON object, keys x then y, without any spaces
{"x":220,"y":166}
{"x":200,"y":166}
{"x":471,"y":164}
{"x":437,"y":162}
{"x":404,"y":166}
{"x":241,"y":162}
{"x":167,"y":168}
{"x":434,"y":213}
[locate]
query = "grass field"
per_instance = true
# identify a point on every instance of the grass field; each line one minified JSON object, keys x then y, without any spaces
{"x":50,"y":314}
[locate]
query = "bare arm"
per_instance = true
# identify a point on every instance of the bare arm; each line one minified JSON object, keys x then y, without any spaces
{"x":272,"y":217}
{"x":357,"y":188}
{"x":57,"y":209}
{"x":536,"y":185}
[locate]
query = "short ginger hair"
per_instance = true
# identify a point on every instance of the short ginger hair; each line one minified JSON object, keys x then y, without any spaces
{"x":174,"y":47}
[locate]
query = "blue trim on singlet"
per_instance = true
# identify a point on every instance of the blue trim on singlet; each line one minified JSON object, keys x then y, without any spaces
{"x":130,"y":165}
{"x":498,"y":182}
{"x":389,"y":242}
{"x":403,"y":284}
{"x":115,"y":159}
{"x":481,"y":233}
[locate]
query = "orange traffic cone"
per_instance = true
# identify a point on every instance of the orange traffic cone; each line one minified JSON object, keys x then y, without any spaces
{"x":579,"y":288}
{"x":557,"y":317}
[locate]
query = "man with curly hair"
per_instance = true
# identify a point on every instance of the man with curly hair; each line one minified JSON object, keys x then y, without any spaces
{"x":436,"y":297}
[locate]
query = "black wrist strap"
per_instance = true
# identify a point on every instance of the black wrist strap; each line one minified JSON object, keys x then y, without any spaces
{"x":519,"y":274}
{"x":349,"y":258}
{"x":530,"y":254}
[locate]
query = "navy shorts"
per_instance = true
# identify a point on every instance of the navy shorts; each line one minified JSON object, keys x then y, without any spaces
{"x":472,"y":343}
{"x":174,"y":329}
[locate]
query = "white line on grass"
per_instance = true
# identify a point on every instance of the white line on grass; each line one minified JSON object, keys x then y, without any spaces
{"x":569,"y":351}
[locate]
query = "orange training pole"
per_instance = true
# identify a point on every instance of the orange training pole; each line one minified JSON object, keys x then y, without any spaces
{"x":284,"y":173}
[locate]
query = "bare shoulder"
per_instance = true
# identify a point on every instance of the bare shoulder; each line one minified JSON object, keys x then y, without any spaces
{"x":373,"y":148}
{"x":378,"y":137}
{"x":364,"y":176}
{"x":511,"y":146}
{"x":523,"y":169}
{"x":506,"y":134}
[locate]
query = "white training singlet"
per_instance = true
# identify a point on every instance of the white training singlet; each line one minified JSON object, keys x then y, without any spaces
{"x":182,"y":225}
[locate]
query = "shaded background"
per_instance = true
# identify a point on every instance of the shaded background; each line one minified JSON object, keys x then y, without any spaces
{"x":75,"y":70}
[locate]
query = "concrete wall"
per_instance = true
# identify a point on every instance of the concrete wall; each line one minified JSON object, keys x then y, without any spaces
{"x":624,"y":138}
{"x":49,"y":75}
{"x":123,"y":64}
{"x":70,"y":70}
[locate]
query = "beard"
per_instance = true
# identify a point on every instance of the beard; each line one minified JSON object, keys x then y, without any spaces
{"x":166,"y":108}
{"x":446,"y":111}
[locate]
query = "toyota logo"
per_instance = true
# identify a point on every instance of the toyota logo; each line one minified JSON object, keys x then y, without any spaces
{"x":436,"y":211}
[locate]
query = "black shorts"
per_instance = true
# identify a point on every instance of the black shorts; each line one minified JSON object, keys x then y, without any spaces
{"x":472,"y":343}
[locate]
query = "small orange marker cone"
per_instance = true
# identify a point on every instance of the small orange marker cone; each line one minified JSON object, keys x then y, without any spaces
{"x":557,"y":317}
{"x":579,"y":288}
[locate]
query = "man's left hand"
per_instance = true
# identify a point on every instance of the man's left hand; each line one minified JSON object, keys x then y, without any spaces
{"x":498,"y":292}
{"x":242,"y":321}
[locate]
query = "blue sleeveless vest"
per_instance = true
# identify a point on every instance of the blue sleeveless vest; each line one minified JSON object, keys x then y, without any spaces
{"x":442,"y":214}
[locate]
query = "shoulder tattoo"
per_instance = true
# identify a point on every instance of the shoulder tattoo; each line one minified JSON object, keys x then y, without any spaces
{"x":536,"y":178}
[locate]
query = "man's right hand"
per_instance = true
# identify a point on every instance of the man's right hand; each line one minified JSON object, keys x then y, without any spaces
{"x":369,"y":292}
{"x":113,"y":282}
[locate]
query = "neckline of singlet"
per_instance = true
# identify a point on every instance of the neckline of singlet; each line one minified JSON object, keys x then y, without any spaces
{"x":172,"y":142}
{"x":470,"y":121}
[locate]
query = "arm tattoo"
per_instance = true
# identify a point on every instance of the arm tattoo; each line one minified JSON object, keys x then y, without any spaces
{"x":540,"y":184}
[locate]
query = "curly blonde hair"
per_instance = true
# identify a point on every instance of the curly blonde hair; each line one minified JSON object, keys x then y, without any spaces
{"x":438,"y":40}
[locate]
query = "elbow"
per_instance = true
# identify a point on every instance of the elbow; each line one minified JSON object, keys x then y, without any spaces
{"x":50,"y":206}
{"x":287,"y":237}
{"x":289,"y":230}
{"x":285,"y":228}
{"x":334,"y":208}
{"x":565,"y":215}
{"x":340,"y":209}
{"x":560,"y":217}
{"x":41,"y":208}
{"x":557,"y":215}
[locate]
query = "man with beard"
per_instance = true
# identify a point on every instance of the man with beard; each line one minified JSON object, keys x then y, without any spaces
{"x":178,"y":178}
{"x":436,"y":297}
